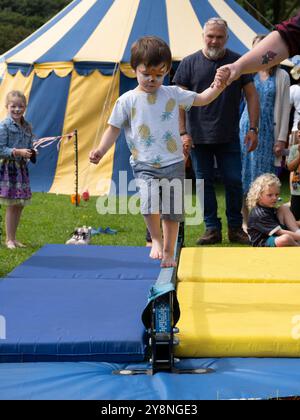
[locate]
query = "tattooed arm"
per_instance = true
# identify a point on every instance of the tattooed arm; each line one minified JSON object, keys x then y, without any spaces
{"x":267,"y":53}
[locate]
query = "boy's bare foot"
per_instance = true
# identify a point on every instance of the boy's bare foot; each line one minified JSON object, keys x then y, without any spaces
{"x":156,"y":250}
{"x":168,"y":261}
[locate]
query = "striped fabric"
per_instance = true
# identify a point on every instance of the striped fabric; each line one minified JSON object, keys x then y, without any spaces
{"x":75,"y":66}
{"x":103,"y":30}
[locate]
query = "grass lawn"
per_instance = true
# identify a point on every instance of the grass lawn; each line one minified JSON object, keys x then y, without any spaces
{"x":51,"y":219}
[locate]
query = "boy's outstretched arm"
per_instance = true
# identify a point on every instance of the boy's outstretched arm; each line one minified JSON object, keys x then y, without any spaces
{"x":108,"y":139}
{"x":211,"y":93}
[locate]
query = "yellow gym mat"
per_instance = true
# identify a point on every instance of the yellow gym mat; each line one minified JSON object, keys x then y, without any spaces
{"x":239,"y":302}
{"x":239,"y":265}
{"x":239,"y":320}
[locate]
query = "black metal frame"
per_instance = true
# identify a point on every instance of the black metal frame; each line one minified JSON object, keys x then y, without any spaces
{"x":160,"y":318}
{"x":161,"y":334}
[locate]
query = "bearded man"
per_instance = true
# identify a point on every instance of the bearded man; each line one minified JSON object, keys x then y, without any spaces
{"x":212,"y":132}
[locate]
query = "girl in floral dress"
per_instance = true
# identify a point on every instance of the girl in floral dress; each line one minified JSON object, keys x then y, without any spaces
{"x":16,"y":142}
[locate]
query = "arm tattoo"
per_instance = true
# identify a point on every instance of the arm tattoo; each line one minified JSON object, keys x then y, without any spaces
{"x":269,"y":56}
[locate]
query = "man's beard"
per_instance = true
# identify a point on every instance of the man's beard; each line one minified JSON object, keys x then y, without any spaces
{"x":215,"y":53}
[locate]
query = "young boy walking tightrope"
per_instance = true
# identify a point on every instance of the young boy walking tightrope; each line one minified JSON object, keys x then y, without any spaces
{"x":149,"y":115}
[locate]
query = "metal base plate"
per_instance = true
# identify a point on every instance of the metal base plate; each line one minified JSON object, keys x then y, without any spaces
{"x":198,"y":371}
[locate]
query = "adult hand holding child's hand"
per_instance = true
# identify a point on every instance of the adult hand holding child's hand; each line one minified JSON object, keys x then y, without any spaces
{"x":227,"y":74}
{"x":221,"y":77}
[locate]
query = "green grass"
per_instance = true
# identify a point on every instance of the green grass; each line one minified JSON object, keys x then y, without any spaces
{"x":51,"y":219}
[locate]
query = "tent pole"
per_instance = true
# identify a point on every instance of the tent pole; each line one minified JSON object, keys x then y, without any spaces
{"x":0,"y":225}
{"x":76,"y":167}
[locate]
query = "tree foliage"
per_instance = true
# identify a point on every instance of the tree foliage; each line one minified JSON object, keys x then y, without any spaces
{"x":19,"y":18}
{"x":270,"y":12}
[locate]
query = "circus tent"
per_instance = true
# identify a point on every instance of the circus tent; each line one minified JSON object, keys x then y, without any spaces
{"x":74,"y":67}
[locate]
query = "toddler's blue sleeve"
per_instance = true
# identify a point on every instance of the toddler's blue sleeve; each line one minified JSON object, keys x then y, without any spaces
{"x":5,"y":151}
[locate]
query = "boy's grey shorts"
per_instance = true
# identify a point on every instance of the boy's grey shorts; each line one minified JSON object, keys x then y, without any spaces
{"x":161,"y":190}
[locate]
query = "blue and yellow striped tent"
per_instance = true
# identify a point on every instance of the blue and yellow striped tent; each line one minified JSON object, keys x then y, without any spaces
{"x":75,"y":66}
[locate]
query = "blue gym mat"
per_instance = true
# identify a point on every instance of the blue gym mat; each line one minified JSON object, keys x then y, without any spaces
{"x":98,"y":262}
{"x":233,"y":379}
{"x":72,"y":303}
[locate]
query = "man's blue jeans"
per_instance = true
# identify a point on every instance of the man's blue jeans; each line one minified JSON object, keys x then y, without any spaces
{"x":228,"y":157}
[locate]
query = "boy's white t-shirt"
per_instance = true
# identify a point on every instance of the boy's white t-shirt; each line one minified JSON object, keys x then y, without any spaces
{"x":295,"y":101}
{"x":151,"y":124}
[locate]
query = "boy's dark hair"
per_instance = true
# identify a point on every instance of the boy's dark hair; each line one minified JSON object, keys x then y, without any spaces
{"x":150,"y":51}
{"x":298,"y":125}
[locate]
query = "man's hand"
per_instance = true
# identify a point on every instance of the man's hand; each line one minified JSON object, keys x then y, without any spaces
{"x":278,"y":148}
{"x":251,"y":140}
{"x":187,"y":144}
{"x":95,"y":156}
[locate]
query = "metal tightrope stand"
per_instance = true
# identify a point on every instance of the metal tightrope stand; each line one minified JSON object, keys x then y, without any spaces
{"x":160,"y":318}
{"x":161,"y":334}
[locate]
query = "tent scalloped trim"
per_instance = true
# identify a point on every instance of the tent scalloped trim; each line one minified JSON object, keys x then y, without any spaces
{"x":63,"y":69}
{"x":60,"y":69}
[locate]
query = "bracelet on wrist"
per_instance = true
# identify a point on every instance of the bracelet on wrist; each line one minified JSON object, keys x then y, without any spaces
{"x":254,"y":129}
{"x":183,"y":133}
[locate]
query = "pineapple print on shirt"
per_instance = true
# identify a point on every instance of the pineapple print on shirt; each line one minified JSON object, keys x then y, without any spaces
{"x":156,"y":163}
{"x":133,"y":150}
{"x":171,"y":142}
{"x":145,"y":135}
{"x":170,"y":105}
{"x":151,"y":98}
{"x":133,"y":113}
